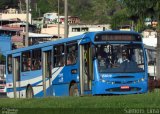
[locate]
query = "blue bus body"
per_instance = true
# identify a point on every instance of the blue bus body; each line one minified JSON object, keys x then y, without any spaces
{"x":5,"y":43}
{"x":88,"y":74}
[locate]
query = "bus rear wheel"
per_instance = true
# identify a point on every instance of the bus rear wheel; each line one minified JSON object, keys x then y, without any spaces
{"x":73,"y":90}
{"x":29,"y":92}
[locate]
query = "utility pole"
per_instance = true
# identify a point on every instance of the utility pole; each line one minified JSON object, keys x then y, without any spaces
{"x":158,"y":50}
{"x":36,"y":7}
{"x":58,"y":21}
{"x":66,"y":19}
{"x":27,"y":22}
{"x":158,"y":53}
{"x":39,"y":12}
{"x":20,"y":6}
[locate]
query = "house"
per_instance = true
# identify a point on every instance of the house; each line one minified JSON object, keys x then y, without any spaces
{"x":73,"y":30}
{"x":50,"y":17}
{"x":13,"y":13}
{"x":71,"y":20}
{"x":38,"y":22}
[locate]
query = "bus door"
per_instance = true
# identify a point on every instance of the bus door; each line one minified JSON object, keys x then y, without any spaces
{"x":16,"y":76}
{"x":47,"y":73}
{"x":85,"y":68}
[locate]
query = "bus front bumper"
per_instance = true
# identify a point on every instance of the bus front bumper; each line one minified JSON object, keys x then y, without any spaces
{"x":101,"y":88}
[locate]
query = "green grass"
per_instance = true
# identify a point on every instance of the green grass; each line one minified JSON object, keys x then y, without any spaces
{"x":115,"y":103}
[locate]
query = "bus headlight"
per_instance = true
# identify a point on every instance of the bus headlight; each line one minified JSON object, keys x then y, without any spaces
{"x":104,"y":81}
{"x":113,"y":82}
{"x":108,"y":82}
{"x":140,"y":80}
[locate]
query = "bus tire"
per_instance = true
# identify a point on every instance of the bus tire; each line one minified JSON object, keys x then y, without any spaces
{"x":73,"y":90}
{"x":29,"y":92}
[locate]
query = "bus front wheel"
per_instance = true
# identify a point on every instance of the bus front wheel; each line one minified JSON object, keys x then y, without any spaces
{"x":29,"y":92}
{"x":73,"y":91}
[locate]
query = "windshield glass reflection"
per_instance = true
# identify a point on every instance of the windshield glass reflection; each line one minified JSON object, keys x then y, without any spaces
{"x":120,"y":58}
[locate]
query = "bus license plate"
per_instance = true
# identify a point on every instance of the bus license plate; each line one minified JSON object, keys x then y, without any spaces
{"x":124,"y":87}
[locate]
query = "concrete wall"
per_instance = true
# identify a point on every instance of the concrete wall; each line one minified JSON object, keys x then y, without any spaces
{"x":12,"y":16}
{"x":53,"y":29}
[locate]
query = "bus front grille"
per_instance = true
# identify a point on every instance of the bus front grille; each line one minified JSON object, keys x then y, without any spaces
{"x":118,"y":89}
{"x":121,"y":82}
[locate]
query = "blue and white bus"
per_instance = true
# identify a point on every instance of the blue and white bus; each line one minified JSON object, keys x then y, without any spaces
{"x":79,"y":65}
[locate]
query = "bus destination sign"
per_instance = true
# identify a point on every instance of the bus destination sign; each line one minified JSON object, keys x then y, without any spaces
{"x":117,"y":37}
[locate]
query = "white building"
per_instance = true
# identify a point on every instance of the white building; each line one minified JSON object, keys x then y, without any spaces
{"x":80,"y":29}
{"x":150,"y":38}
{"x":52,"y":29}
{"x":73,"y":29}
{"x":150,"y":41}
{"x":13,"y":13}
{"x":50,"y":17}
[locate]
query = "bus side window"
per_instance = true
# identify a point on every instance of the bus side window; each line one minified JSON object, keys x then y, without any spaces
{"x":71,"y":52}
{"x":26,"y":61}
{"x":59,"y":56}
{"x":9,"y":64}
{"x":36,"y":59}
{"x":28,"y":64}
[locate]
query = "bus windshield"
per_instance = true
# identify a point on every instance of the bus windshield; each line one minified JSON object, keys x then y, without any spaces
{"x":118,"y":58}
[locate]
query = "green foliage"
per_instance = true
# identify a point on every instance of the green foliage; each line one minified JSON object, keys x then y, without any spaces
{"x":116,"y":12}
{"x":120,"y":18}
{"x":104,"y":10}
{"x":81,"y":8}
{"x":42,"y":5}
{"x":2,"y":4}
{"x":89,"y":11}
{"x":148,"y":100}
{"x":8,"y":4}
{"x":141,"y":10}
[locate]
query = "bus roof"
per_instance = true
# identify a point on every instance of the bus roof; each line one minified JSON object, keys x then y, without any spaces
{"x":63,"y":40}
{"x":46,"y":44}
{"x":118,"y":32}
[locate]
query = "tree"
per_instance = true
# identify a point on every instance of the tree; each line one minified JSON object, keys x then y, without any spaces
{"x":104,"y":10}
{"x":44,"y":6}
{"x":80,"y":8}
{"x":53,"y":4}
{"x":143,"y":9}
{"x":8,"y":4}
{"x":120,"y":18}
{"x":157,"y":13}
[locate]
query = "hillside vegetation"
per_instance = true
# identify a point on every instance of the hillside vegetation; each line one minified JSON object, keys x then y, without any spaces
{"x":115,"y":12}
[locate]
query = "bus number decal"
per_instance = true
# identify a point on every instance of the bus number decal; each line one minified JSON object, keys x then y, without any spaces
{"x":60,"y":77}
